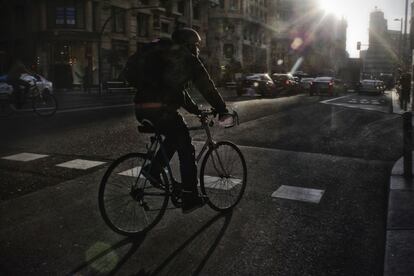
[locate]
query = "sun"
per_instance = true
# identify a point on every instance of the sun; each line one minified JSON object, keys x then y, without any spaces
{"x":336,"y":7}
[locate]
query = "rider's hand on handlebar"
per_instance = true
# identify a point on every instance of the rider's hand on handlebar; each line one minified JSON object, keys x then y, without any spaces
{"x":226,"y":120}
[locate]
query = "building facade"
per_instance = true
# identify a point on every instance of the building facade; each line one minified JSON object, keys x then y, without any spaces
{"x":239,"y":37}
{"x":67,"y":40}
{"x":382,"y":53}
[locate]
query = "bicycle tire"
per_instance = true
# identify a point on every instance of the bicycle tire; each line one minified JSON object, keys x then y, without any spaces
{"x":231,"y":184}
{"x":44,"y":103}
{"x":150,"y":201}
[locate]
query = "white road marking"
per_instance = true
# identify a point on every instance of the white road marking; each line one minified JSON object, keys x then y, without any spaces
{"x":80,"y":164}
{"x":298,"y":193}
{"x":25,"y":157}
{"x":334,"y":99}
{"x":133,"y":172}
{"x":210,"y":182}
{"x":218,"y":183}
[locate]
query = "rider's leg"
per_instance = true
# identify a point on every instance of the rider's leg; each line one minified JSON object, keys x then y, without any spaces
{"x":20,"y":93}
{"x":177,"y":138}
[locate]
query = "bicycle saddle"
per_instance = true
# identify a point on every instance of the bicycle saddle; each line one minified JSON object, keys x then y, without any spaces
{"x":146,"y":127}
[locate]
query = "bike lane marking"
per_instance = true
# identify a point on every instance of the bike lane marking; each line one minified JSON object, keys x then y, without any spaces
{"x":80,"y":164}
{"x":299,"y":194}
{"x":25,"y":157}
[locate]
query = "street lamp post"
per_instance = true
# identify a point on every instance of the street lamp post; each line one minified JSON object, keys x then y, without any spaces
{"x":406,"y":63}
{"x":100,"y":34}
{"x":400,"y":46}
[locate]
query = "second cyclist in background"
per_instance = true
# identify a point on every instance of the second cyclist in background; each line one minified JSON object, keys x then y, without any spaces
{"x":162,"y":72}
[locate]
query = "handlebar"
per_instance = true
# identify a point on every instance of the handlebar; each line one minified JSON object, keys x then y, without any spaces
{"x":205,"y":113}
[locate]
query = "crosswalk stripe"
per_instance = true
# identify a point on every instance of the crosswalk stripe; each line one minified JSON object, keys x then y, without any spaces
{"x":24,"y":157}
{"x":298,"y":193}
{"x":80,"y":164}
{"x":133,"y":172}
{"x":218,"y":183}
{"x":210,"y":182}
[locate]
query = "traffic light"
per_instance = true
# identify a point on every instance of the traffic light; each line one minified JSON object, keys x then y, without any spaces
{"x":359,"y":45}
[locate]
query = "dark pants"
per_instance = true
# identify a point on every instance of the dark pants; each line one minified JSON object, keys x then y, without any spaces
{"x":18,"y":93}
{"x":404,"y":98}
{"x":177,"y":139}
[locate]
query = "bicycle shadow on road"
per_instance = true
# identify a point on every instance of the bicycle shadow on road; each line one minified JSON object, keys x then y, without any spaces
{"x":198,"y":266}
{"x":103,"y":262}
{"x":95,"y":263}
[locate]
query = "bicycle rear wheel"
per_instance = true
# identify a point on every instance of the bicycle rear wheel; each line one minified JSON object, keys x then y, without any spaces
{"x":128,"y":203}
{"x":44,"y":103}
{"x":223,"y":176}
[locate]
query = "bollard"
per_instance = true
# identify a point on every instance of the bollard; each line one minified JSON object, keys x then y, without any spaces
{"x":407,"y":137}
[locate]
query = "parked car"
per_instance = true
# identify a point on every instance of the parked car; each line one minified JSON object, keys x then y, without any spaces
{"x":305,"y":83}
{"x":369,"y":86}
{"x":253,"y":84}
{"x":326,"y":85}
{"x":41,"y":82}
{"x":286,"y":83}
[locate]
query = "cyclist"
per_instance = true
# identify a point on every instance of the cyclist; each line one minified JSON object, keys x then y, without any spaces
{"x":13,"y":78}
{"x":162,"y":90}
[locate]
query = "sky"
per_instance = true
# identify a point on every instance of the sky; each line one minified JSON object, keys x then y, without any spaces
{"x":357,"y":14}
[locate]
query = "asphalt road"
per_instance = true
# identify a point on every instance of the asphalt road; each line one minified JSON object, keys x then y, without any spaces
{"x":50,"y":223}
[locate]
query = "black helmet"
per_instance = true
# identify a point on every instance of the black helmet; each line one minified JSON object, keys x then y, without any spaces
{"x":186,"y":36}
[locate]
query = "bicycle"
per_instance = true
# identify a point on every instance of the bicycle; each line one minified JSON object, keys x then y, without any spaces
{"x":43,"y":102}
{"x":130,"y":205}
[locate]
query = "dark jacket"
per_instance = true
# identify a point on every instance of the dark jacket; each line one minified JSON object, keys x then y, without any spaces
{"x":167,"y":76}
{"x":405,"y":81}
{"x":16,"y":70}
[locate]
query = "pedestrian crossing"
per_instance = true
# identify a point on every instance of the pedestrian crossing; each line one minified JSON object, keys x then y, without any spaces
{"x":285,"y":192}
{"x":24,"y":156}
{"x":80,"y":164}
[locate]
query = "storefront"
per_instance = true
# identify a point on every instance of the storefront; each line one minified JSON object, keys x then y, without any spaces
{"x":69,"y":62}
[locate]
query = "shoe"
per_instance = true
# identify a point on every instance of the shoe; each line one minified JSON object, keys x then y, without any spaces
{"x":154,"y":178}
{"x":191,"y":201}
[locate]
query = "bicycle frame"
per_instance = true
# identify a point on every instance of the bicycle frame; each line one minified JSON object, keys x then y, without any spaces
{"x":156,"y":143}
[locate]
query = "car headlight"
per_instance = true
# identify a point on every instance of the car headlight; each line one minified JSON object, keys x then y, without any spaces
{"x":256,"y":84}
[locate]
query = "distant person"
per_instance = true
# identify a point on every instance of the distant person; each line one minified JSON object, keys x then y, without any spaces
{"x":87,"y":78}
{"x":405,"y":82}
{"x":14,"y":79}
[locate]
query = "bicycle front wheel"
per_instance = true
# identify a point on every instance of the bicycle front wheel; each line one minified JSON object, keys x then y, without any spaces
{"x":128,"y":203}
{"x":44,"y":103}
{"x":223,"y":176}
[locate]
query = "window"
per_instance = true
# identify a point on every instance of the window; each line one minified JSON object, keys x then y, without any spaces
{"x":221,"y":4}
{"x":196,"y":12}
{"x":118,"y":20}
{"x":234,"y":5}
{"x":143,"y":25}
{"x":156,"y":22}
{"x":69,"y":13}
{"x":95,"y":16}
{"x":165,"y":27}
{"x":228,"y":50}
{"x":181,"y":6}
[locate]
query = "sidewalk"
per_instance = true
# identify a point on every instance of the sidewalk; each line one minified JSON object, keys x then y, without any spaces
{"x":399,"y":248}
{"x":72,"y":99}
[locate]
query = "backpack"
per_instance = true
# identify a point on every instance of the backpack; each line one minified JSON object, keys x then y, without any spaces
{"x":145,"y":66}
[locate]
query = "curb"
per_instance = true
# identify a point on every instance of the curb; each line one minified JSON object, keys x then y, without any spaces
{"x":399,"y":246}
